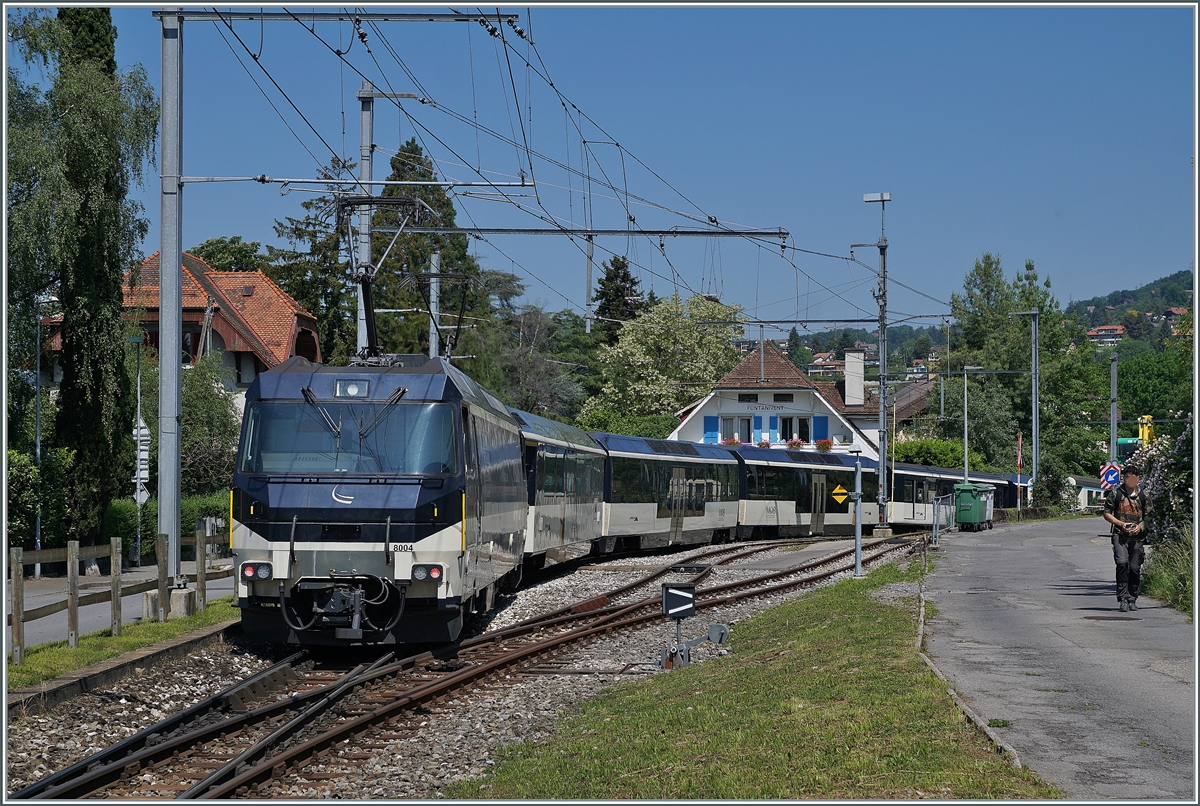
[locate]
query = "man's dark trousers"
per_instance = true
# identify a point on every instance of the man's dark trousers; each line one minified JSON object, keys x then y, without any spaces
{"x":1128,"y":554}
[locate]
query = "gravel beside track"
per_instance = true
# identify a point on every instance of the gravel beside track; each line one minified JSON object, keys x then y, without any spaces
{"x":454,"y":740}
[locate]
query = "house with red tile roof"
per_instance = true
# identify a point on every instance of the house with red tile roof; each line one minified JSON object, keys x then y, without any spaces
{"x":765,"y":397}
{"x":1106,"y":335}
{"x":254,"y":324}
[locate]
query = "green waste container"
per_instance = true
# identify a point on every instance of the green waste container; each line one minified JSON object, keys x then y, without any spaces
{"x":973,"y":506}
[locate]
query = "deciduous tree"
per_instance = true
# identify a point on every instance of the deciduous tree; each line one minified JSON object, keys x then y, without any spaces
{"x":665,"y":359}
{"x":74,"y":151}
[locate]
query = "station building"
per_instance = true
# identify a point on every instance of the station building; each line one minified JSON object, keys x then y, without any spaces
{"x":765,"y":398}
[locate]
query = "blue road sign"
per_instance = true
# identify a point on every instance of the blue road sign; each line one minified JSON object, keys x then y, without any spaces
{"x":1110,"y":475}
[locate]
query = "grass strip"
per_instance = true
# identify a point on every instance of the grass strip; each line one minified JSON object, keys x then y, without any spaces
{"x":1169,"y":573}
{"x":822,"y":697}
{"x":48,"y":661}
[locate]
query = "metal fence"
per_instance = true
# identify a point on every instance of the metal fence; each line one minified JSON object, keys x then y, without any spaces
{"x":943,"y":517}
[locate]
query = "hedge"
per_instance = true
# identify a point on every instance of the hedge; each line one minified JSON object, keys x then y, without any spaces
{"x":120,"y":519}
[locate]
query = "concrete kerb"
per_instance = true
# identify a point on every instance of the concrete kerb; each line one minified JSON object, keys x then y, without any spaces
{"x":968,"y":712}
{"x":46,"y":695}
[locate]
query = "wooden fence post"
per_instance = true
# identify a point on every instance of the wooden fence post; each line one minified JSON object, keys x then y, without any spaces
{"x":72,"y":593}
{"x":160,"y":554}
{"x":115,"y":570}
{"x":17,"y":572}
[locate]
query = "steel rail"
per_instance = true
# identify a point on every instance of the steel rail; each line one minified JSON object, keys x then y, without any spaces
{"x":132,"y":744}
{"x":273,"y":766}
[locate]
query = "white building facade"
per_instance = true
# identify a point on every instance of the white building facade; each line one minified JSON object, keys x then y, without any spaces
{"x":768,"y":400}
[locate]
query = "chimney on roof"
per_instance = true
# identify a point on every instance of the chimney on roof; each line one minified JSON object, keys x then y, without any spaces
{"x":854,"y":378}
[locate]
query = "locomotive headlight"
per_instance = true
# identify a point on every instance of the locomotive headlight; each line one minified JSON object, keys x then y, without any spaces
{"x":427,"y":573}
{"x":351,"y":388}
{"x":252,"y":572}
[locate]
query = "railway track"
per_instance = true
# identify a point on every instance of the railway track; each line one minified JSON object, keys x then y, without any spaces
{"x":309,"y":724}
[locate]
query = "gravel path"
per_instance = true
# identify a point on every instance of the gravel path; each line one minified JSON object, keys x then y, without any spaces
{"x":455,"y":742}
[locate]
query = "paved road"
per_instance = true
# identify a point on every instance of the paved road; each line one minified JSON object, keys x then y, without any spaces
{"x":47,"y":590}
{"x":1100,"y":703}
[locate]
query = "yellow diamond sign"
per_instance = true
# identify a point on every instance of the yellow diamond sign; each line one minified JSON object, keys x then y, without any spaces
{"x":839,"y":494}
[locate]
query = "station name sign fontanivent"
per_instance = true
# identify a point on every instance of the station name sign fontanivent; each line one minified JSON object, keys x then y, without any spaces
{"x":763,"y":407}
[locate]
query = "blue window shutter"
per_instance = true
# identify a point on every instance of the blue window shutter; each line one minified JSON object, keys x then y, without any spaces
{"x":820,"y":428}
{"x":757,"y":427}
{"x":774,"y":429}
{"x":712,"y":429}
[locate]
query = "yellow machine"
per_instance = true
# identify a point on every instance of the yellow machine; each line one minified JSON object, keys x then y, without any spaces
{"x":1146,"y":429}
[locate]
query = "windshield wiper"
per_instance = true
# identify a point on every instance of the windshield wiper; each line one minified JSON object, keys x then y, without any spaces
{"x":382,"y":411}
{"x":333,"y":427}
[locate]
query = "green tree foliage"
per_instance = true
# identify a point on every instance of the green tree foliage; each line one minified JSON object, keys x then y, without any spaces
{"x":1168,"y":467}
{"x":311,"y":270}
{"x":1154,"y":297}
{"x":618,"y":297}
{"x":468,"y":295}
{"x":535,"y":381}
{"x":577,"y":349}
{"x":605,"y":418}
{"x":232,"y":254}
{"x":74,"y":150}
{"x":665,"y":359}
{"x":935,"y":452}
{"x":26,"y":484}
{"x":798,"y":354}
{"x":208,"y":430}
{"x":923,"y":346}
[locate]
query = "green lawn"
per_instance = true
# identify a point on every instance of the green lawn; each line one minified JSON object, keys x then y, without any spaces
{"x":48,"y":661}
{"x":823,"y":697}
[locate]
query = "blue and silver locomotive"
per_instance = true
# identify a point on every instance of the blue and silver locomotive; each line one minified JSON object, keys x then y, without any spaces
{"x":358,"y":510}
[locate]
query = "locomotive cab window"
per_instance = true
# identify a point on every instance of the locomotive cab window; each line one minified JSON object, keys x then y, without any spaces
{"x":349,"y":437}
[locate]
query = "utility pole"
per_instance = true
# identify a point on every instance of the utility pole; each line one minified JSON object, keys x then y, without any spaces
{"x":366,"y":141}
{"x":170,"y":290}
{"x":1112,"y":407}
{"x":1033,"y":315}
{"x":881,"y":298}
{"x":435,"y":290}
{"x":587,"y":296}
{"x":762,"y":356}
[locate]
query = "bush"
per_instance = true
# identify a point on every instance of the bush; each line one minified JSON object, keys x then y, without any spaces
{"x":24,"y":480}
{"x":120,"y":519}
{"x":1168,"y":575}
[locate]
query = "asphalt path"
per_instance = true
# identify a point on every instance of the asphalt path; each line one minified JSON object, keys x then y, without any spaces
{"x":93,"y":618}
{"x":1100,"y":703}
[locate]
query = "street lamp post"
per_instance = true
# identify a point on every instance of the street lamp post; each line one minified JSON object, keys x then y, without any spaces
{"x":138,"y":428}
{"x":881,"y":297}
{"x":37,"y":432}
{"x":857,"y":496}
{"x":37,"y":440}
{"x":965,"y":370}
{"x":1033,"y":315}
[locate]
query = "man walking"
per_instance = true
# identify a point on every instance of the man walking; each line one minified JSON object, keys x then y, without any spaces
{"x":1125,"y":507}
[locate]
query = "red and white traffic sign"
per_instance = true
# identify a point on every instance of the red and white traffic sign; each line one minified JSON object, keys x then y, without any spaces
{"x":1110,"y":475}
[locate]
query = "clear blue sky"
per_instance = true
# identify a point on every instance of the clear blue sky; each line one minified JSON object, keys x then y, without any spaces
{"x":1061,"y":135}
